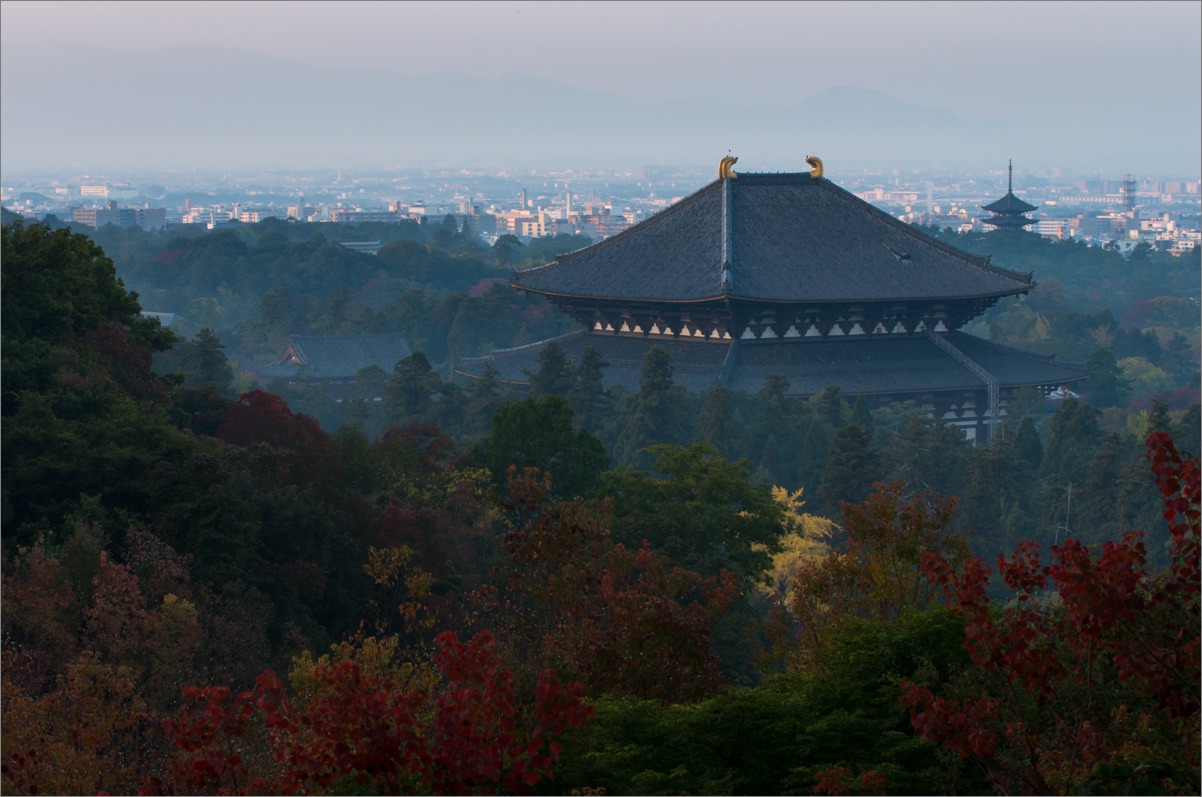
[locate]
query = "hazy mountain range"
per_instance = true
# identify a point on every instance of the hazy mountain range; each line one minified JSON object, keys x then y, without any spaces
{"x":208,"y":108}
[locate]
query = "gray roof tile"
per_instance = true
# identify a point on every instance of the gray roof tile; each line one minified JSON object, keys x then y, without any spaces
{"x":793,"y":238}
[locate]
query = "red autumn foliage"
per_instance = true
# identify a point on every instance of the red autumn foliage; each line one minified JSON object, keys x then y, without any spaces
{"x":261,"y":417}
{"x":1109,"y":673}
{"x":841,"y":780}
{"x":369,"y":731}
{"x":127,"y":363}
{"x":626,"y":622}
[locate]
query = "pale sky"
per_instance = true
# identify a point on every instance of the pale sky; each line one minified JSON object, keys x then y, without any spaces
{"x":756,"y":51}
{"x":980,"y":60}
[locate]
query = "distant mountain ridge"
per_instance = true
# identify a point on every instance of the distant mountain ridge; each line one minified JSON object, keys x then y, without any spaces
{"x":203,"y":107}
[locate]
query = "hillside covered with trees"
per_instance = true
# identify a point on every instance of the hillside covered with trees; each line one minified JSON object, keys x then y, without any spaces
{"x":209,"y":587}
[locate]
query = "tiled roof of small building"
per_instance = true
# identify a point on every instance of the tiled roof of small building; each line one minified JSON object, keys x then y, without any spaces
{"x":1009,"y":204}
{"x":337,"y":358}
{"x":786,"y":238}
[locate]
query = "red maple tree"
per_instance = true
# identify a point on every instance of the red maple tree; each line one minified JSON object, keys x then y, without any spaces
{"x":1090,"y":672}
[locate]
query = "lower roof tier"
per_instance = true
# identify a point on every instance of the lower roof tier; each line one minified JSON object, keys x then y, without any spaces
{"x":893,"y":365}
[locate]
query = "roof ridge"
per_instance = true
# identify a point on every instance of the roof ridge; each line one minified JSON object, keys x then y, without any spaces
{"x":567,"y":257}
{"x":348,"y":337}
{"x":933,"y":241}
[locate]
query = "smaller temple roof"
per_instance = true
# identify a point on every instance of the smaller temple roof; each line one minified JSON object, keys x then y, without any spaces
{"x":1009,"y":205}
{"x":337,"y":358}
{"x":876,"y":365}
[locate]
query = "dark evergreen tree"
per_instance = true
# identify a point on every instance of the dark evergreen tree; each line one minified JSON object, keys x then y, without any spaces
{"x":851,"y":468}
{"x":554,"y":376}
{"x":591,"y":402}
{"x":775,"y":421}
{"x":538,"y":433}
{"x":1158,"y":417}
{"x":205,"y":362}
{"x":1105,"y":386}
{"x":1177,"y":359}
{"x":1027,"y":445}
{"x":410,"y":392}
{"x":861,"y":415}
{"x":1095,"y":500}
{"x":1073,"y":441}
{"x":1024,"y":402}
{"x":717,"y":423}
{"x":995,"y":488}
{"x":657,"y":412}
{"x":929,"y":453}
{"x":483,"y":398}
{"x":830,"y":406}
{"x":815,"y":448}
{"x":1187,"y":431}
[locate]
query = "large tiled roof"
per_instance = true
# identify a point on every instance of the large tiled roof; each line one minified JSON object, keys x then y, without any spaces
{"x":864,"y":365}
{"x":339,"y":358}
{"x":786,"y":238}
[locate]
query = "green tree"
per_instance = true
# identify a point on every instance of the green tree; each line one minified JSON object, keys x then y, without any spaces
{"x":411,"y":390}
{"x":1027,"y":445}
{"x":205,"y":362}
{"x":554,"y":376}
{"x":830,"y":406}
{"x":591,"y":402}
{"x":507,"y":250}
{"x":851,"y":468}
{"x":717,"y":423}
{"x":1106,"y":386}
{"x":538,"y":433}
{"x":656,"y":414}
{"x":703,"y":512}
{"x":861,"y":415}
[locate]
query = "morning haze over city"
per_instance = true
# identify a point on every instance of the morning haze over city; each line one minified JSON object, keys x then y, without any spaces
{"x":916,"y":106}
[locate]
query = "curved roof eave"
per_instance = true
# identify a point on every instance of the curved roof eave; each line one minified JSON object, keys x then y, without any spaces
{"x":723,"y":297}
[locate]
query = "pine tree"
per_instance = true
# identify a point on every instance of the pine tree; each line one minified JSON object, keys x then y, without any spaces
{"x":1105,"y":386}
{"x":830,"y":406}
{"x":591,"y":402}
{"x":861,"y":415}
{"x":1027,"y":445}
{"x":717,"y":423}
{"x":815,"y":448}
{"x":851,"y":468}
{"x":538,"y":432}
{"x":656,"y":414}
{"x":205,"y":362}
{"x":554,"y":376}
{"x":410,"y":392}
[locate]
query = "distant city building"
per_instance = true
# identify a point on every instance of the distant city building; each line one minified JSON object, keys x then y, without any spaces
{"x":1009,"y":212}
{"x":358,"y":216}
{"x":366,"y":247}
{"x":146,"y":218}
